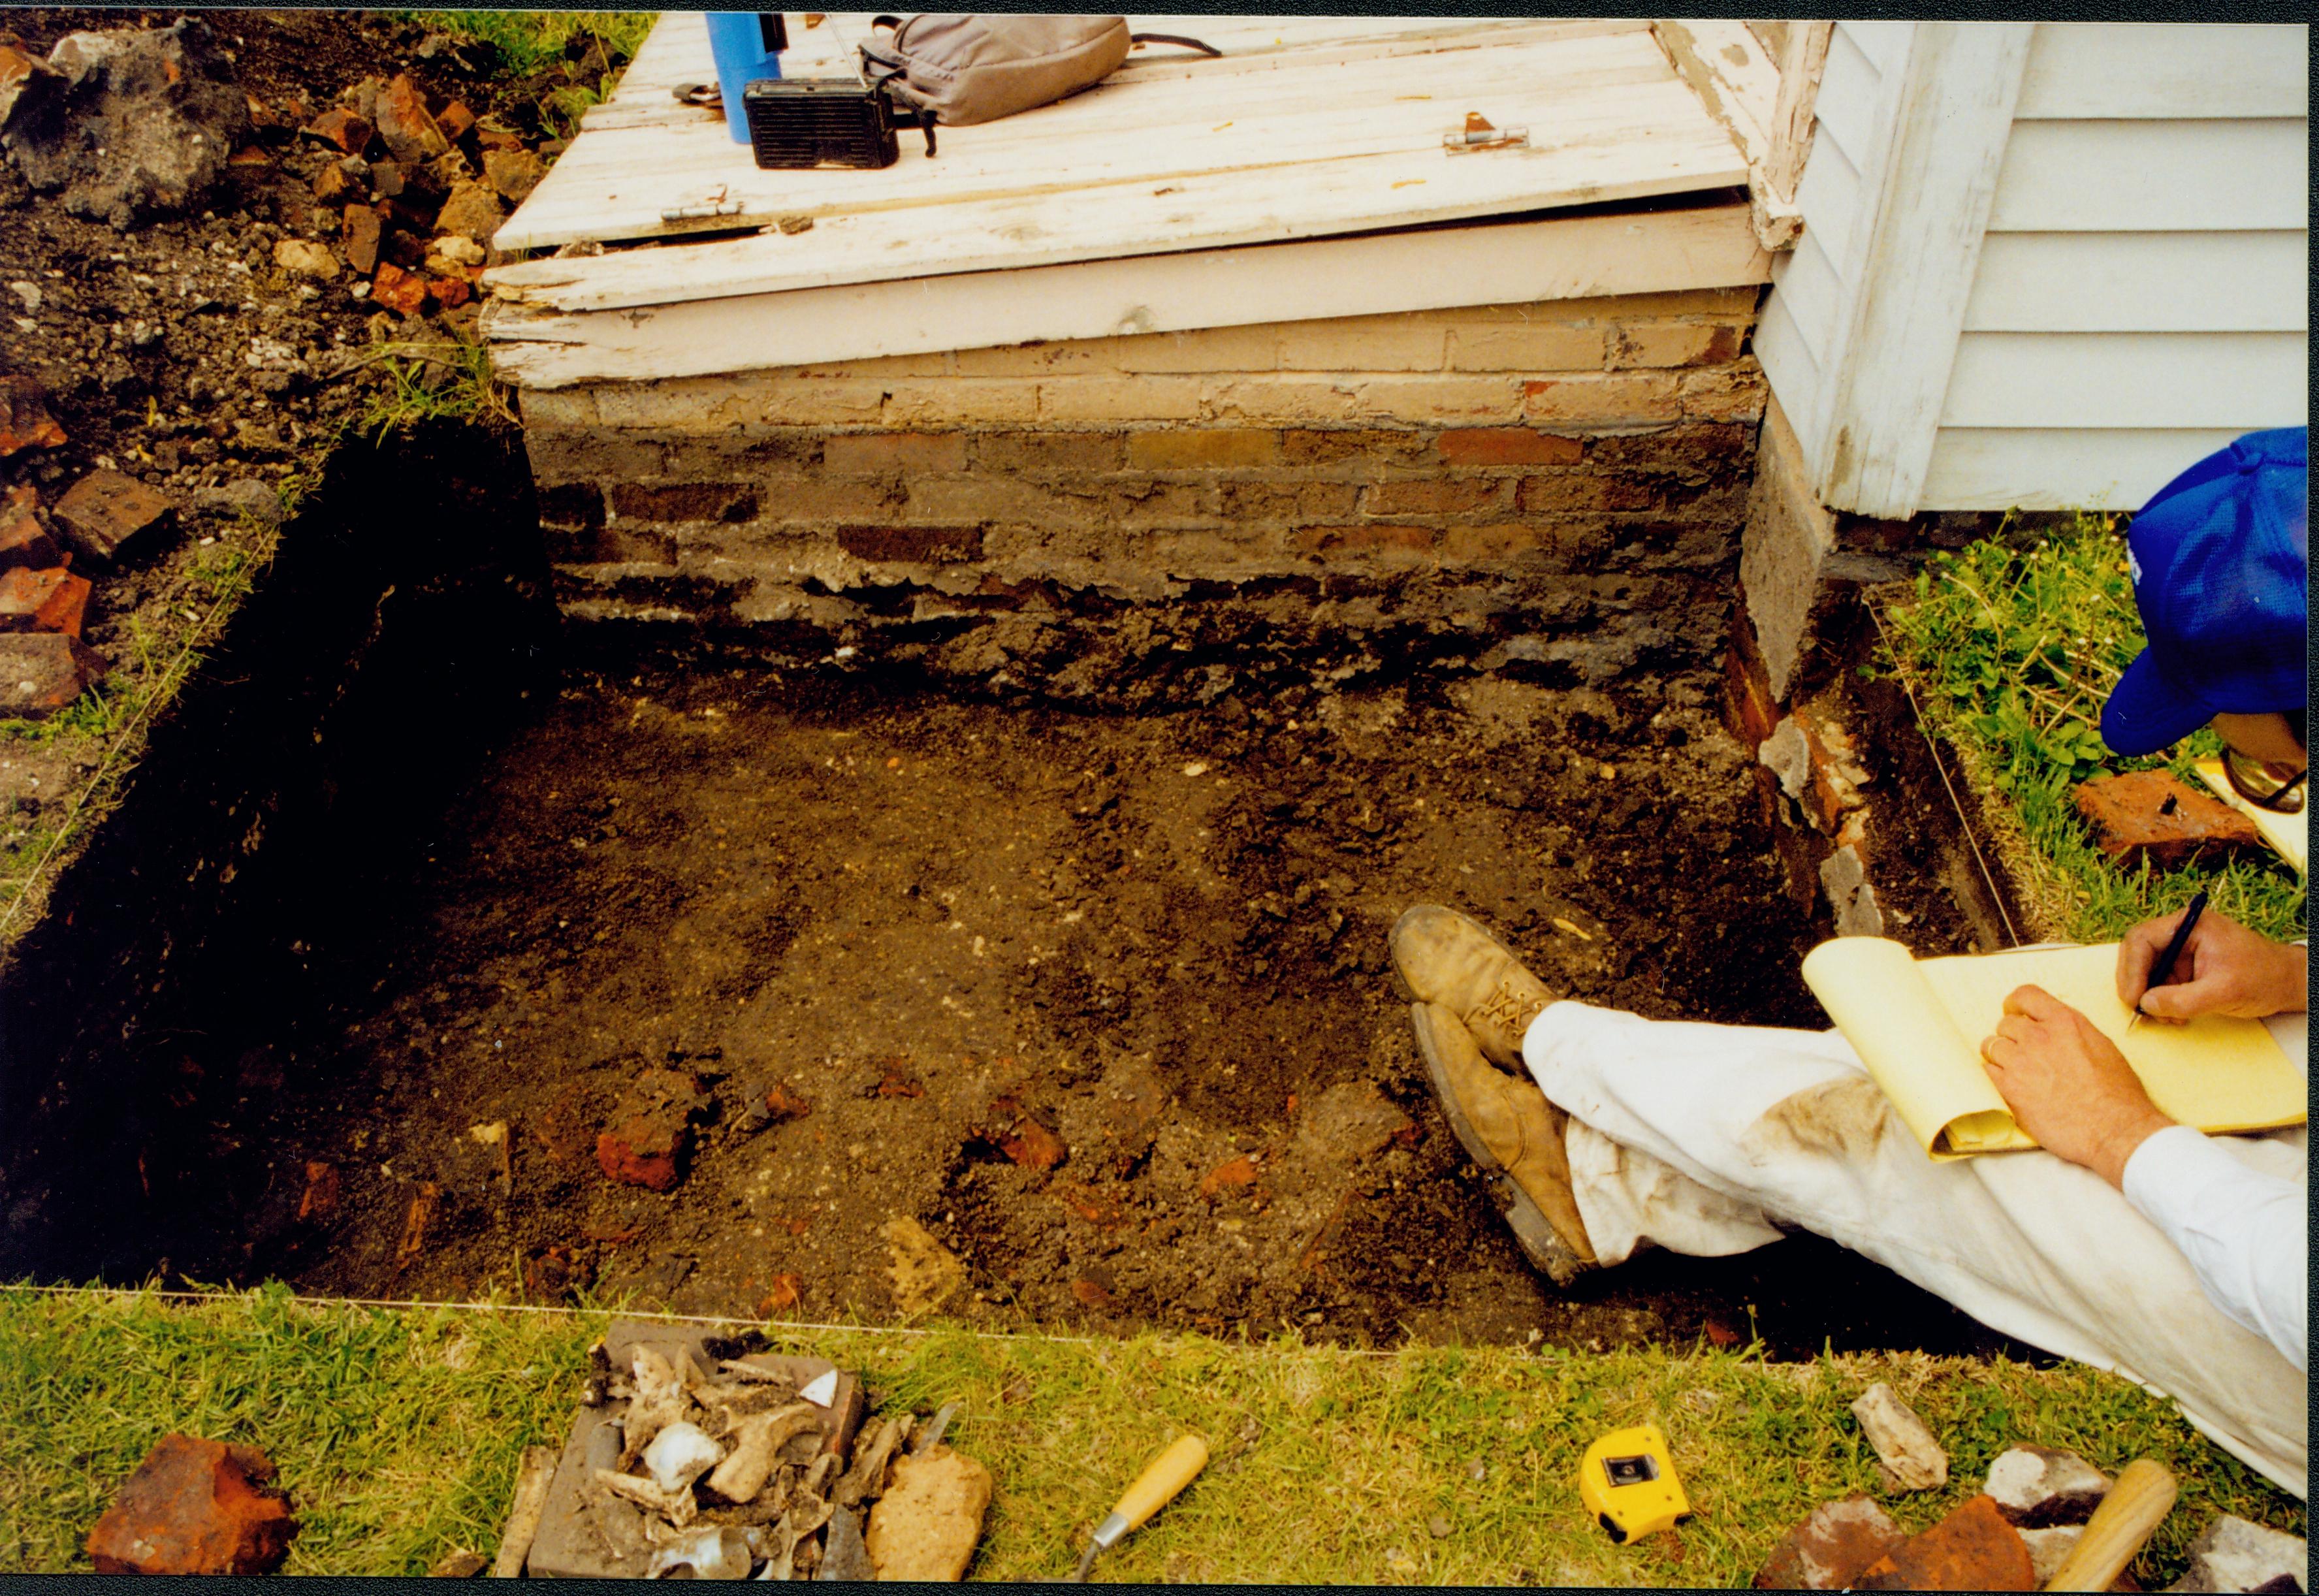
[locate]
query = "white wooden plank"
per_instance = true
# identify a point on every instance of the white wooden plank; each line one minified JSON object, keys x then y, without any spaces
{"x":1725,"y":65}
{"x":2142,"y":283}
{"x":2158,"y":379}
{"x":1802,"y":56}
{"x":1829,"y":197}
{"x":1854,"y":100}
{"x":2167,"y":69}
{"x":1591,"y":101}
{"x":1788,"y":367}
{"x":2156,"y":176}
{"x":1505,"y":263}
{"x":1884,"y":44}
{"x":2074,"y":468}
{"x":1814,"y":296}
{"x":1890,"y":365}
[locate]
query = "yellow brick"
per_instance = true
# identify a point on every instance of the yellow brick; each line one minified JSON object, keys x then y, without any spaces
{"x":986,"y":498}
{"x":682,"y":404}
{"x":1207,"y":348}
{"x":1733,"y":394}
{"x":1290,"y":398}
{"x":936,"y":364}
{"x":1532,"y":348}
{"x":1604,"y":398}
{"x":1202,"y":448}
{"x":1448,"y":401}
{"x":559,"y":407}
{"x":953,"y":401}
{"x":1360,"y":343}
{"x":786,"y":501}
{"x":1038,"y":360}
{"x":1121,"y":399}
{"x":1674,"y":342}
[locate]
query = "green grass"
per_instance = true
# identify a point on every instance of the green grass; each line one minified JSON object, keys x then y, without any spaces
{"x":449,"y":380}
{"x":2009,"y":650}
{"x":590,"y":49}
{"x":398,"y":1431}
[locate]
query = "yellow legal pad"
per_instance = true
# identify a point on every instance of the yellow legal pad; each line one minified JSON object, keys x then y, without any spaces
{"x":1918,"y":1024}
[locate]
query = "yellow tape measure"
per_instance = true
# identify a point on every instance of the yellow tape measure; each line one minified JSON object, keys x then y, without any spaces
{"x":1627,"y":1480}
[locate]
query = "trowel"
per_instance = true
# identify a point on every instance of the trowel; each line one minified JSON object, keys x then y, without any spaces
{"x":1159,"y":1484}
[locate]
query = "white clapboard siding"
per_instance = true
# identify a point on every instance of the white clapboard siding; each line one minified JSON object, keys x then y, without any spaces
{"x":2061,"y":468}
{"x":2139,"y":295}
{"x":2115,"y":174}
{"x":2197,"y":71}
{"x":2112,"y":380}
{"x":2220,"y":282}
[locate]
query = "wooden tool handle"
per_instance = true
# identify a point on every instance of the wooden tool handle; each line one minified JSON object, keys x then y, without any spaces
{"x":2135,"y":1505}
{"x":1162,"y":1478}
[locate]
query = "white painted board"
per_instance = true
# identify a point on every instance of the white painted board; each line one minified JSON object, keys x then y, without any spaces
{"x":2196,"y":70}
{"x":2241,"y":281}
{"x":2238,"y":379}
{"x":2061,"y":468}
{"x":2124,"y":175}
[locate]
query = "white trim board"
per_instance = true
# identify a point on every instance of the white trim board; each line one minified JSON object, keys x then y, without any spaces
{"x":1505,"y":263}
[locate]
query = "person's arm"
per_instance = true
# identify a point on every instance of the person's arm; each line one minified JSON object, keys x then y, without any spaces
{"x":2243,"y":1233}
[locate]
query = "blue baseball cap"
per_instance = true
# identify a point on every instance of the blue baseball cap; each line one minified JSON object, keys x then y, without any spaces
{"x":2220,"y":559}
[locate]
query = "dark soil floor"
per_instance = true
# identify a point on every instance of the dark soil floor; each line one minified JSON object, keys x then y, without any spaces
{"x":1101,"y":1002}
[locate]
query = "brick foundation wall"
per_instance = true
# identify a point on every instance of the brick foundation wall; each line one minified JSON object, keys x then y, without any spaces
{"x":1557,"y":488}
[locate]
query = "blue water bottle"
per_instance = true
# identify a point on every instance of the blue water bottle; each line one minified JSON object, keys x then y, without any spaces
{"x":747,"y":45}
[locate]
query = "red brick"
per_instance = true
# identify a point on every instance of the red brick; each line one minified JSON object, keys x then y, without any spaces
{"x":24,"y":541}
{"x":684,"y":502}
{"x":341,"y":130}
{"x":856,"y":454}
{"x":1507,"y":446}
{"x":402,"y":291}
{"x":574,"y":504}
{"x":917,"y":546}
{"x":1432,"y":496}
{"x":1354,"y":540}
{"x":104,"y":512}
{"x":359,"y":235}
{"x":41,"y":672}
{"x":1049,"y":451}
{"x":783,"y":1104}
{"x":410,"y":132}
{"x":644,"y":1149}
{"x":785,"y":1293}
{"x":1500,"y":540}
{"x":319,"y":1199}
{"x":1750,"y":713}
{"x":1971,"y":1549}
{"x":448,"y":294}
{"x":51,"y":601}
{"x":25,"y":419}
{"x":1828,"y":1550}
{"x":454,"y":120}
{"x":195,"y":1507}
{"x":1202,"y":447}
{"x":1375,"y":446}
{"x":1563,"y":490}
{"x":1095,"y":1296}
{"x":1031,"y":1145}
{"x":1235,"y":1175}
{"x":2132,"y":821}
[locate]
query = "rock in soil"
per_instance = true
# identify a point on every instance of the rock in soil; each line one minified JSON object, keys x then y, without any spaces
{"x":926,"y":1273}
{"x":2236,"y":1554}
{"x":926,"y":1525}
{"x":106,"y":512}
{"x":25,"y":419}
{"x":41,"y":672}
{"x":195,"y":1507}
{"x":1906,"y":1451}
{"x":1971,"y":1549}
{"x":2038,"y":1487}
{"x":1829,"y":1549}
{"x":131,"y":123}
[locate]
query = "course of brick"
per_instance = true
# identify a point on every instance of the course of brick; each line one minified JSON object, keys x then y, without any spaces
{"x":1559,"y":485}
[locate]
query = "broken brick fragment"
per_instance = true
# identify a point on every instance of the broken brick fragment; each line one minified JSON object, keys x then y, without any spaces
{"x":895,"y":1084}
{"x":195,"y":1507}
{"x":448,"y":292}
{"x":651,"y":1130}
{"x":415,"y":1221}
{"x":1031,"y":1145}
{"x":404,"y":123}
{"x":341,"y":130}
{"x":319,"y":1200}
{"x":1971,"y":1549}
{"x":105,"y":512}
{"x":554,"y":1274}
{"x":1092,"y":1295}
{"x":2150,"y":815}
{"x":52,"y":600}
{"x":785,"y":1105}
{"x":1232,"y":1175}
{"x":41,"y":672}
{"x":358,"y":234}
{"x":24,"y":541}
{"x":403,"y":293}
{"x":25,"y":419}
{"x":786,"y":1293}
{"x":454,"y":120}
{"x":1831,"y":1546}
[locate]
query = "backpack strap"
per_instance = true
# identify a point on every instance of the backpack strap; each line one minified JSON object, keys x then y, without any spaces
{"x":1205,"y":50}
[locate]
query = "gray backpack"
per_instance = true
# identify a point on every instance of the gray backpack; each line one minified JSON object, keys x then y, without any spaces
{"x":959,"y":69}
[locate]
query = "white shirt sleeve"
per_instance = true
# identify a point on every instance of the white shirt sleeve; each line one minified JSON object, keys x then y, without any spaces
{"x":2246,"y":1234}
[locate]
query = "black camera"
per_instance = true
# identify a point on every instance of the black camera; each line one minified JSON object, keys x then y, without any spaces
{"x":827,"y":121}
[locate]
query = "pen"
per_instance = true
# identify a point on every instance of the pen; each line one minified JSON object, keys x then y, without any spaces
{"x":2163,"y":971}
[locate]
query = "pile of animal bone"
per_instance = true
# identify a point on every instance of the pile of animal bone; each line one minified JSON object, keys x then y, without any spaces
{"x":708,"y":1458}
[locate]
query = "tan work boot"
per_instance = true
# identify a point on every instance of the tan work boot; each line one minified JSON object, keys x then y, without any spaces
{"x":1514,"y":1137}
{"x":1449,"y":959}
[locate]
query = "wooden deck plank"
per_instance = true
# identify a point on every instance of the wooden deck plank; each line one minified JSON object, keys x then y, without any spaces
{"x":1505,"y":263}
{"x":1602,"y":109}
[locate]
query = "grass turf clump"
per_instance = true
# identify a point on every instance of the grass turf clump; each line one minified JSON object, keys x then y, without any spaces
{"x":398,"y":1431}
{"x":2009,"y":650}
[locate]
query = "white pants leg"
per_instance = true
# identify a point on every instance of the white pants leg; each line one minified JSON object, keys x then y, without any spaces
{"x":1704,"y":1139}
